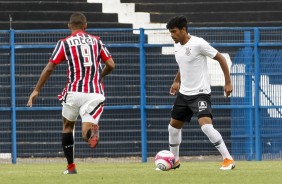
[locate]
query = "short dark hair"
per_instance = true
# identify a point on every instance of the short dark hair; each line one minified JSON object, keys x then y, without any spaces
{"x":78,"y":20}
{"x":178,"y":21}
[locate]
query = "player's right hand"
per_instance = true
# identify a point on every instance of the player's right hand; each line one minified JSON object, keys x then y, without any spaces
{"x":32,"y":97}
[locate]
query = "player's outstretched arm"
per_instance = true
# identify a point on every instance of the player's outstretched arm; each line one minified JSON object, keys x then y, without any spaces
{"x":223,"y":64}
{"x":45,"y":74}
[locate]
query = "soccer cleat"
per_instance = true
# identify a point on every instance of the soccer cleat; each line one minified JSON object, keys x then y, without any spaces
{"x":176,"y":165}
{"x":227,"y":164}
{"x":94,"y":138}
{"x":70,"y":169}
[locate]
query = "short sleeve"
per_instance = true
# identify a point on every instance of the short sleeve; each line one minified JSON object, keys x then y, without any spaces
{"x":104,"y":53}
{"x":207,"y":49}
{"x":58,"y":54}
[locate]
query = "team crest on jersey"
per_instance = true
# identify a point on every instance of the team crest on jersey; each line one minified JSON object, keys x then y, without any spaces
{"x":202,"y":105}
{"x":188,"y":51}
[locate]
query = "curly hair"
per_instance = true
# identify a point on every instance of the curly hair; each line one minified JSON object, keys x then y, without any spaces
{"x":177,"y":22}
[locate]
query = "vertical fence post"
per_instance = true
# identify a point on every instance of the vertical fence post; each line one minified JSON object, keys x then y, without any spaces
{"x":258,"y":155}
{"x":249,"y":144}
{"x":143,"y":96}
{"x":13,"y":96}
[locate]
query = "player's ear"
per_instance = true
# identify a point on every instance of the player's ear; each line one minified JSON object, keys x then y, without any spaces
{"x":85,"y":26}
{"x":69,"y":25}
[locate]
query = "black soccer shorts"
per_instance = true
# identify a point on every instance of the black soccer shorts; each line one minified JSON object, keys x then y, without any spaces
{"x":185,"y":107}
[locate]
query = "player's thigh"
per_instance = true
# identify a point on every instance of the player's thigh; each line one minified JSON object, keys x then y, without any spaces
{"x":70,"y":109}
{"x":202,"y":108}
{"x":180,"y":110}
{"x":92,"y":110}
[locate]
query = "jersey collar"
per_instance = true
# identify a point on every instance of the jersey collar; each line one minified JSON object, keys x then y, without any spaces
{"x":77,"y":31}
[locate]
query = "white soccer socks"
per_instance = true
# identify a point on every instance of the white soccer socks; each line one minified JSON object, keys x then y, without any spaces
{"x":216,"y":138}
{"x":175,"y":137}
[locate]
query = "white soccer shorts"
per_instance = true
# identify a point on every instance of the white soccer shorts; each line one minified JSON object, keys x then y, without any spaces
{"x":88,"y":105}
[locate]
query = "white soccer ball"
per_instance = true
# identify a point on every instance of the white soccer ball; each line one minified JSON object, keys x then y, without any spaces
{"x":164,"y":160}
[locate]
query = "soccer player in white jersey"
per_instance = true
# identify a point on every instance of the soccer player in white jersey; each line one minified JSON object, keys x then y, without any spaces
{"x":84,"y":92}
{"x":192,"y":86}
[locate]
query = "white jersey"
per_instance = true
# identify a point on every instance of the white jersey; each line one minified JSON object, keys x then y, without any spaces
{"x":192,"y":62}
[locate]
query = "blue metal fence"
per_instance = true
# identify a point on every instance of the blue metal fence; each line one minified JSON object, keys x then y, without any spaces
{"x":137,"y":110}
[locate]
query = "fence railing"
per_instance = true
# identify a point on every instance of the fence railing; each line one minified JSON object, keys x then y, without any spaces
{"x":138,"y":104}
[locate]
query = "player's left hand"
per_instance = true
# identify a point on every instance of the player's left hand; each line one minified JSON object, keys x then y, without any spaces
{"x":32,"y":97}
{"x":228,"y":88}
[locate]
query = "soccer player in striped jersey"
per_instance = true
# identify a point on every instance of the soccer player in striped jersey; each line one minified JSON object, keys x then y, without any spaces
{"x":83,"y":94}
{"x":192,"y":85}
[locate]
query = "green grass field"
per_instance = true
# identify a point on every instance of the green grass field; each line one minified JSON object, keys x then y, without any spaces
{"x":253,"y":172}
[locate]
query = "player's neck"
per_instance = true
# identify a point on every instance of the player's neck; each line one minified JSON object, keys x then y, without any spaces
{"x":77,"y":30}
{"x":186,"y":39}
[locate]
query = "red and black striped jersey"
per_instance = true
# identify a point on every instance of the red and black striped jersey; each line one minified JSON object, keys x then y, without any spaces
{"x":83,"y":52}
